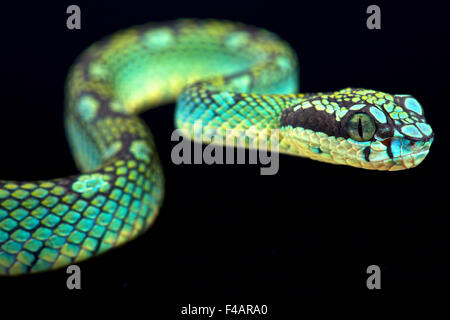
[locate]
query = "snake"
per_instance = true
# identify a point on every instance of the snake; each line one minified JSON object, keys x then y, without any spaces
{"x":237,"y":81}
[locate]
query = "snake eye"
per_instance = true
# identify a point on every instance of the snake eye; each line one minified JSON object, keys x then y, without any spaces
{"x":361,"y":127}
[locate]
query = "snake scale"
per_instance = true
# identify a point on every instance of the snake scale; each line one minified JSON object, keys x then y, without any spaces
{"x":237,"y":80}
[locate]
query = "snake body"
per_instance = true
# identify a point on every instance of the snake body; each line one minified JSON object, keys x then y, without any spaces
{"x":237,"y":81}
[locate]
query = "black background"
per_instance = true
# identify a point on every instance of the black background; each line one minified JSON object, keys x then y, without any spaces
{"x":225,"y":233}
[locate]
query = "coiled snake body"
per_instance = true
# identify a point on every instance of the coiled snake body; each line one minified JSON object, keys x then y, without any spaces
{"x":237,"y":80}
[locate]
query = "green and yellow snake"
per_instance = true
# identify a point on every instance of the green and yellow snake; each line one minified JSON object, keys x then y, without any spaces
{"x":237,"y":81}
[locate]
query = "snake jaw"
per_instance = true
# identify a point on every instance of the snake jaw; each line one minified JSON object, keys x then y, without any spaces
{"x":389,"y":154}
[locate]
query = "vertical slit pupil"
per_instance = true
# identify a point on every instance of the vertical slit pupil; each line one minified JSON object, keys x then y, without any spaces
{"x":360,"y":129}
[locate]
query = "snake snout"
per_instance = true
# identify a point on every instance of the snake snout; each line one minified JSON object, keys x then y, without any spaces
{"x":408,"y":153}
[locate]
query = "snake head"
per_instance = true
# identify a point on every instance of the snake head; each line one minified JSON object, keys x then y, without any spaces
{"x":358,"y":127}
